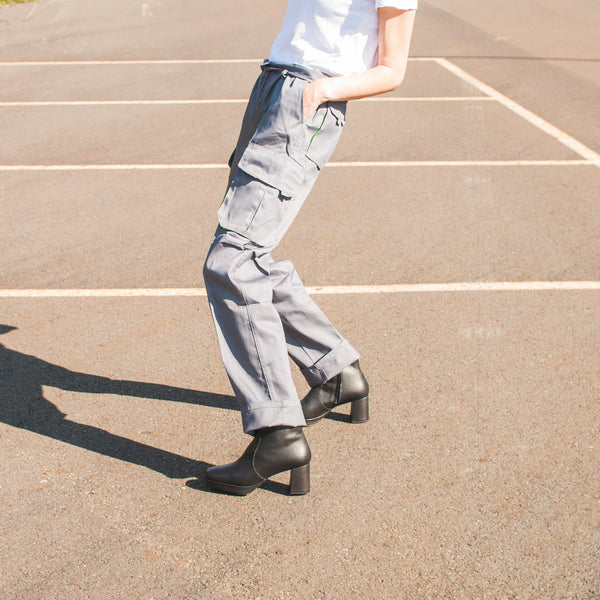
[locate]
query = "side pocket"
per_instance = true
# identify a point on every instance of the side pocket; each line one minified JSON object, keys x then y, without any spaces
{"x":324,"y":130}
{"x":281,"y":128}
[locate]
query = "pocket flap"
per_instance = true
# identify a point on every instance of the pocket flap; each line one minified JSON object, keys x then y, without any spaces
{"x":273,"y":167}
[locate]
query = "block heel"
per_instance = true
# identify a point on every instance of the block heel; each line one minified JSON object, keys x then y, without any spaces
{"x":359,"y":411}
{"x":300,"y":480}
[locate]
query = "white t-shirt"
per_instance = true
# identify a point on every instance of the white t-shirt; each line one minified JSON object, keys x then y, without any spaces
{"x":338,"y":37}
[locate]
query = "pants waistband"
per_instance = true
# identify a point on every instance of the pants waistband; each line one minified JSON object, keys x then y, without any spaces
{"x":300,"y":71}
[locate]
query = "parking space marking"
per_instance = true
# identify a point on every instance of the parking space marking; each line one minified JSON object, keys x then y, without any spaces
{"x":330,"y":165}
{"x":120,"y":102}
{"x":590,"y":156}
{"x":464,"y":163}
{"x":477,"y":286}
{"x":564,"y":138}
{"x":426,"y":99}
{"x":231,"y":101}
{"x":109,"y":167}
{"x":174,"y":61}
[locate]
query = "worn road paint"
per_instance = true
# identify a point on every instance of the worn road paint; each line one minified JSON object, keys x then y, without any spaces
{"x":478,"y":286}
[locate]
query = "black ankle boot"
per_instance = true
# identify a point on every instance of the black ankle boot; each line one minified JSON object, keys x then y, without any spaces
{"x":348,"y":386}
{"x":273,"y":450}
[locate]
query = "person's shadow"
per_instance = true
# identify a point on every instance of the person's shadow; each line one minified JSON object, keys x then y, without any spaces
{"x":22,"y":404}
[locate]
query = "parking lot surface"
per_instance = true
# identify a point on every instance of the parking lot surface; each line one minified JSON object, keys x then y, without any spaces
{"x":453,"y":239}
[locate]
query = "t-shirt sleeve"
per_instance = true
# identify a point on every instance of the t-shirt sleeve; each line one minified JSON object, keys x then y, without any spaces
{"x":401,"y":4}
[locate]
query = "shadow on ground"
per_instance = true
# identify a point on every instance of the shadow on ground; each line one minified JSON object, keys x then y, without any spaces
{"x":22,"y":405}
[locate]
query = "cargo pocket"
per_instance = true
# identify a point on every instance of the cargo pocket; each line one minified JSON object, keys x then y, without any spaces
{"x":323,"y":132}
{"x":260,"y":194}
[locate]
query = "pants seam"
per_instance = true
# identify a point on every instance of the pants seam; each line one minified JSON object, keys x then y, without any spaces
{"x":254,"y":338}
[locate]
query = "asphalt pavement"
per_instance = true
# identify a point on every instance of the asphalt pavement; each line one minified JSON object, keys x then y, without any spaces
{"x":453,"y":239}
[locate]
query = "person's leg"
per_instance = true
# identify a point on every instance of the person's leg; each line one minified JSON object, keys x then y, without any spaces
{"x":329,"y":363}
{"x":254,"y":352}
{"x":250,"y":332}
{"x":313,"y":343}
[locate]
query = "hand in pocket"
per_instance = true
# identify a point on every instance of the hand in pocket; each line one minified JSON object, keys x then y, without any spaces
{"x":313,"y":98}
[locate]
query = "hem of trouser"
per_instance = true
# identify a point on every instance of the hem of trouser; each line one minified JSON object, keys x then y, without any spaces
{"x":331,"y":364}
{"x":273,"y":416}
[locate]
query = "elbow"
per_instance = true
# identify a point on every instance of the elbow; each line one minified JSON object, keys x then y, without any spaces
{"x":398,"y":79}
{"x":399,"y":70}
{"x":395,"y":77}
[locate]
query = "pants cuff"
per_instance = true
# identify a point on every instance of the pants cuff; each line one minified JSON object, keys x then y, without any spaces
{"x":272,"y":416}
{"x":331,"y":364}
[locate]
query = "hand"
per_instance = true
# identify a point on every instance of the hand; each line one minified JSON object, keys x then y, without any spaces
{"x":313,"y":98}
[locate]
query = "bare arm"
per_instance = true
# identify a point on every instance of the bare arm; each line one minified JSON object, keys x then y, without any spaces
{"x":395,"y":31}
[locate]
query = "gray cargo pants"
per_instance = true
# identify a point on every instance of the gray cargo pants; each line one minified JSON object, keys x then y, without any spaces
{"x":261,"y":310}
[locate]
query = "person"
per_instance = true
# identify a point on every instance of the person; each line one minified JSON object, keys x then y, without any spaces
{"x":327,"y":53}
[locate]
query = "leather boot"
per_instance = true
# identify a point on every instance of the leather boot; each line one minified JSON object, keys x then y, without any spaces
{"x":348,"y":386}
{"x":273,"y":450}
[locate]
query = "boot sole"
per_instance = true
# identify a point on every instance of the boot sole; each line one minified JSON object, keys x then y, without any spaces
{"x":231,"y":488}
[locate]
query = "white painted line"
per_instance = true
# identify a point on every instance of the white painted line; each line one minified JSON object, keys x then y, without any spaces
{"x":121,"y":102}
{"x":426,"y":99}
{"x":463,"y":163}
{"x":183,"y":61}
{"x":483,"y":286}
{"x":102,"y":293}
{"x":564,"y":138}
{"x":227,"y":101}
{"x":137,"y":167}
{"x":331,"y":165}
